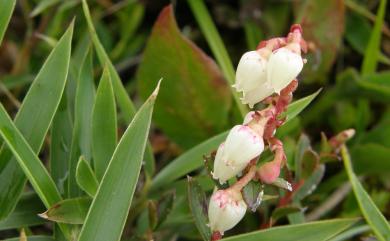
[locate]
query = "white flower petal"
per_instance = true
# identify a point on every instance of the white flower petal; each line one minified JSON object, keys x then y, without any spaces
{"x":283,"y":67}
{"x":257,"y":94}
{"x":225,"y":210}
{"x":242,"y":145}
{"x":251,"y":71}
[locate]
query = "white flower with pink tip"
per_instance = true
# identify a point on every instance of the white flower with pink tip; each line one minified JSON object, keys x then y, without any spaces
{"x":226,"y":209}
{"x":241,"y":146}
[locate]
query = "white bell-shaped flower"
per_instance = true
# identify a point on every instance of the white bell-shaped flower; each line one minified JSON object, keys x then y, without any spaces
{"x":283,"y":67}
{"x":222,"y":171}
{"x":241,"y":146}
{"x":226,"y":209}
{"x":251,"y":71}
{"x":257,"y":94}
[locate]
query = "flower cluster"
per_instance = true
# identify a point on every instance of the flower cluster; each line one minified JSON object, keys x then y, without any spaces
{"x":266,"y":75}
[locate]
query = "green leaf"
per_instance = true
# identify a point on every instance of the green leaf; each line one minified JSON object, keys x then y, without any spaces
{"x":208,"y":28}
{"x":72,"y":211}
{"x":25,"y":213}
{"x":86,"y":178}
{"x":371,"y":54}
{"x":253,"y":194}
{"x":371,"y":213}
{"x":60,"y":145}
{"x":196,"y":101}
{"x":346,"y":235}
{"x":326,"y":35}
{"x":123,"y":100}
{"x":35,"y":171}
{"x":310,"y":184}
{"x":107,"y":216}
{"x":297,"y":106}
{"x":104,"y":125}
{"x":7,"y":7}
{"x":198,"y":206}
{"x":302,"y":145}
{"x":32,"y":238}
{"x":187,"y":162}
{"x":34,"y":122}
{"x":313,"y":231}
{"x":82,"y":131}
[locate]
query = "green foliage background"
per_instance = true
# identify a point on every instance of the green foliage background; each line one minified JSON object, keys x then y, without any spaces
{"x":86,"y":144}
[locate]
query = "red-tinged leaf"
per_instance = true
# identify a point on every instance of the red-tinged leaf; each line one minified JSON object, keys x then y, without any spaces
{"x":323,"y":24}
{"x":194,"y":99}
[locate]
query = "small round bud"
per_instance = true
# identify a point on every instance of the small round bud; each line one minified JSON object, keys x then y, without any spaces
{"x":269,"y":172}
{"x":226,"y":209}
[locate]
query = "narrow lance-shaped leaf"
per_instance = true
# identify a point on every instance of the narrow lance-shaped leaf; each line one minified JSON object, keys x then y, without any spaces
{"x":196,"y":101}
{"x":82,"y":131}
{"x":33,"y":119}
{"x":35,"y":171}
{"x":314,"y":231}
{"x":107,"y":216}
{"x":370,"y":211}
{"x":217,"y":46}
{"x":60,"y":145}
{"x":86,"y":178}
{"x":124,"y":102}
{"x":198,"y":206}
{"x":71,"y":211}
{"x":297,"y":106}
{"x":7,"y":8}
{"x":104,"y":125}
{"x":372,"y":52}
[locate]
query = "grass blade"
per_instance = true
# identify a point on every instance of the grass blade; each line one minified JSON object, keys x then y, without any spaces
{"x":297,"y":106}
{"x":313,"y":231}
{"x":35,"y":171}
{"x":372,"y":52}
{"x":208,"y":28}
{"x":82,"y":131}
{"x":123,"y":100}
{"x":368,"y":208}
{"x":34,"y":122}
{"x":86,"y":178}
{"x":72,"y":211}
{"x":107,"y":216}
{"x":7,"y":8}
{"x":104,"y":125}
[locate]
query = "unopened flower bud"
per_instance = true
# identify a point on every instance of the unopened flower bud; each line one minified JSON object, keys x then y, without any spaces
{"x":241,"y":146}
{"x":226,"y":209}
{"x":269,"y":172}
{"x":284,"y":65}
{"x":251,"y":71}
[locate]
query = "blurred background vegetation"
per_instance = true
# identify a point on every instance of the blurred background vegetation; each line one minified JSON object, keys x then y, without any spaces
{"x":349,"y":49}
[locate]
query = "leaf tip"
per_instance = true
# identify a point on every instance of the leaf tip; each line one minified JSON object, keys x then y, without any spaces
{"x":43,"y":215}
{"x":156,"y":90}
